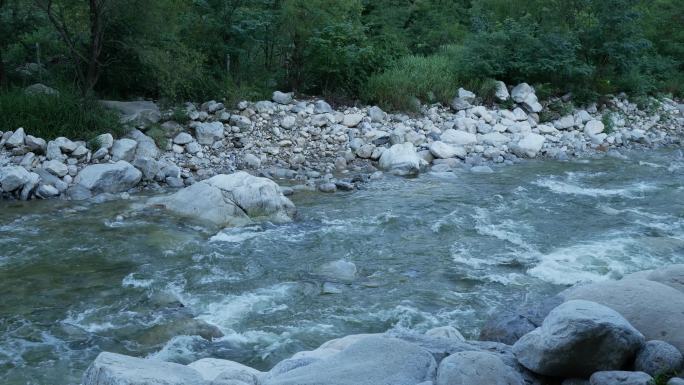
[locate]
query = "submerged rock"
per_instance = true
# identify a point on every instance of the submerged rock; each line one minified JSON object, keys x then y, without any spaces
{"x":117,"y":369}
{"x":230,"y":200}
{"x":577,"y":339}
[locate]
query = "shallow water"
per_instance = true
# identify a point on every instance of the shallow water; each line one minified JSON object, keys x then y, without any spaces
{"x":436,"y":250}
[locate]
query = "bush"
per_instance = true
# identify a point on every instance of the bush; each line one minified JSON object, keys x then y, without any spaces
{"x":48,"y":117}
{"x":428,"y":79}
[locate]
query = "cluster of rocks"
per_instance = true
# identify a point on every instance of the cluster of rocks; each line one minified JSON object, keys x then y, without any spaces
{"x":315,"y":146}
{"x":627,"y":332}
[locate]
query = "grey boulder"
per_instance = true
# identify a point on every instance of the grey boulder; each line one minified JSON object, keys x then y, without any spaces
{"x":208,"y":133}
{"x":13,"y":178}
{"x":370,"y":361}
{"x":658,"y":358}
{"x":109,"y":177}
{"x":620,"y":378}
{"x":117,"y":369}
{"x":577,"y":339}
{"x":651,"y":307}
{"x":136,"y":112}
{"x":213,"y":369}
{"x":124,"y":149}
{"x":230,"y":200}
{"x":282,"y":97}
{"x":672,"y":276}
{"x":468,"y":368}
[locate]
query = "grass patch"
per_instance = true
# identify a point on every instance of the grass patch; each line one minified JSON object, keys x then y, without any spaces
{"x":429,"y":79}
{"x":48,"y":116}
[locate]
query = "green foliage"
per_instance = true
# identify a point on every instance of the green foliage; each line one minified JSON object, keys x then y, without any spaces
{"x":157,"y":133}
{"x":47,"y":116}
{"x":608,"y":123}
{"x":428,"y":79}
{"x":556,"y":109}
{"x":179,"y":115}
{"x":387,"y":51}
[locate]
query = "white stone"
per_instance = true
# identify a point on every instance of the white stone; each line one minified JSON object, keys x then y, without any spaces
{"x":56,"y":168}
{"x":593,"y":127}
{"x":352,"y":120}
{"x":442,"y":150}
{"x":402,"y":159}
{"x":530,"y":145}
{"x":459,"y":138}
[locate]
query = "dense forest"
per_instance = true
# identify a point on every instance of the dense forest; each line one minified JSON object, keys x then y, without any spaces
{"x":389,"y":52}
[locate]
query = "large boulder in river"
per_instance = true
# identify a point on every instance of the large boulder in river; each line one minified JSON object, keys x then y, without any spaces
{"x":672,"y":276}
{"x":655,"y":309}
{"x":211,"y":368}
{"x":402,"y":159}
{"x":469,"y":368}
{"x":230,"y":200}
{"x":135,"y":113}
{"x":577,"y":339}
{"x":109,"y":177}
{"x":117,"y":369}
{"x":13,"y":178}
{"x":370,"y":361}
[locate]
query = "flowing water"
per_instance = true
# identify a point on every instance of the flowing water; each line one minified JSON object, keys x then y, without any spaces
{"x":441,"y":249}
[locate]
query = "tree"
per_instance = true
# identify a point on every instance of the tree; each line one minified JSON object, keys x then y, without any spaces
{"x":85,"y":55}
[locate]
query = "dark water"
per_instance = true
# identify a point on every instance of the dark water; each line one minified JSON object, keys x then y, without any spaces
{"x":440,"y":249}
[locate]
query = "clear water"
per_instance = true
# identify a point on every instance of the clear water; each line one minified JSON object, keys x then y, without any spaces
{"x":431,"y":251}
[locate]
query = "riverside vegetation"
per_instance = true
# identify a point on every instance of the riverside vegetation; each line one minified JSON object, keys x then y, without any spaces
{"x":404,"y":89}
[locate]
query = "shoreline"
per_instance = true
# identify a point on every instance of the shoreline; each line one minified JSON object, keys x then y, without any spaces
{"x":307,"y":145}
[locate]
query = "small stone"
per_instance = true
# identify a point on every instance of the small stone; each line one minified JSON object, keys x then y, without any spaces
{"x":352,"y":120}
{"x":183,"y":138}
{"x":288,"y":122}
{"x":321,"y":107}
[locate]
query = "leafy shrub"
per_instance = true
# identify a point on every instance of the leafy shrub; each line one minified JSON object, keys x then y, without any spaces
{"x":608,"y":123}
{"x":48,"y":116}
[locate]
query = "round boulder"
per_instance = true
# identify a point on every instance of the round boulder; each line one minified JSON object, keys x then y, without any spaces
{"x":577,"y":339}
{"x":468,"y":368}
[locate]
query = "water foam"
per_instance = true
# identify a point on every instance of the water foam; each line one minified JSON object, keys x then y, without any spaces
{"x":586,"y":262}
{"x":567,"y":188}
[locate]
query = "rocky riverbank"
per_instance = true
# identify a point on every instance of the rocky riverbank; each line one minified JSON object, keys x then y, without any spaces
{"x":308,"y":145}
{"x":622,"y":332}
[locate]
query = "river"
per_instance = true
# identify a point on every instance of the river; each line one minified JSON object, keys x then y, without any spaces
{"x":441,"y":249}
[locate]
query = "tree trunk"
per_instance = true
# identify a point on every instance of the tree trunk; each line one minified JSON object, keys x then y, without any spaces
{"x":93,"y":71}
{"x":3,"y":75}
